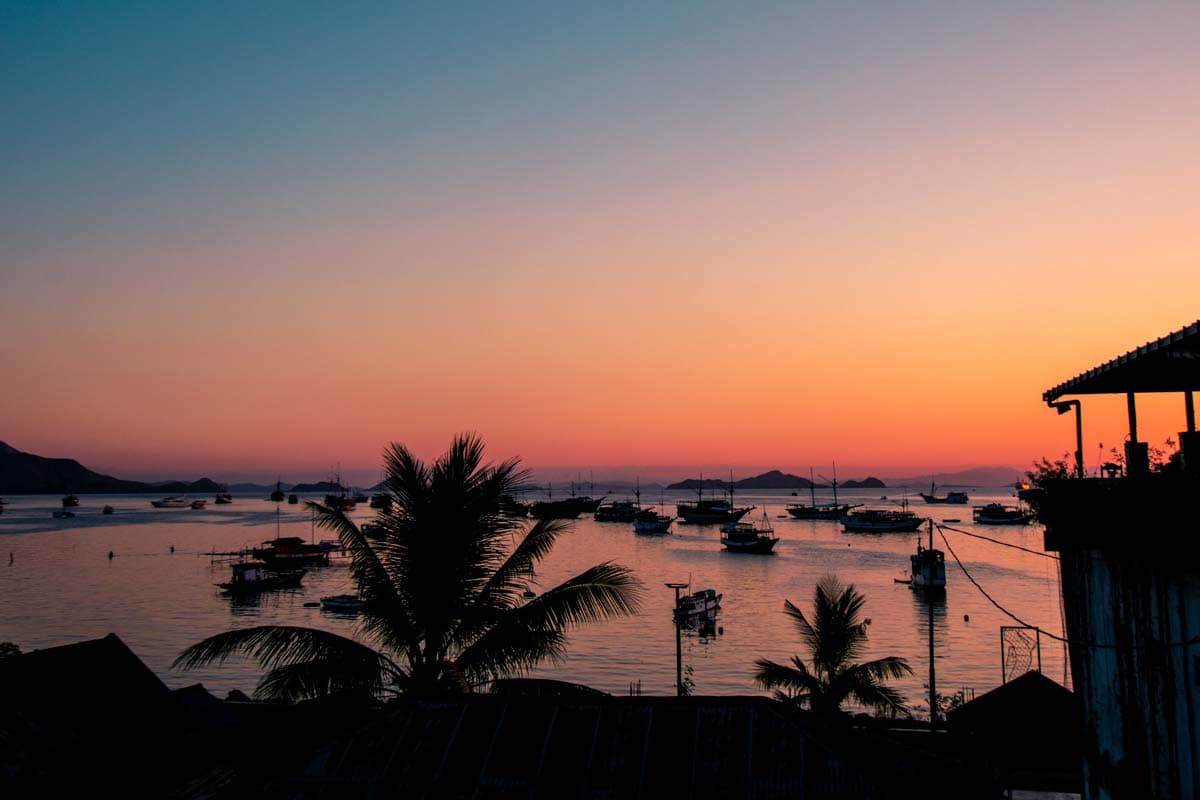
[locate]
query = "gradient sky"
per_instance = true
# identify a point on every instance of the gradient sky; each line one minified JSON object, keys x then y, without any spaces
{"x":260,"y":238}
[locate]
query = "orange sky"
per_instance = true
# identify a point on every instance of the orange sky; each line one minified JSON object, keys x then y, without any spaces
{"x":758,"y":261}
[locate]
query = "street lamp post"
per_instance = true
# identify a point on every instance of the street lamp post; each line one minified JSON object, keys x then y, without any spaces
{"x":1064,"y":407}
{"x":678,"y":639}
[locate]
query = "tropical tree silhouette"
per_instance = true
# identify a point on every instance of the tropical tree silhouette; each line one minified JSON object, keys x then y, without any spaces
{"x":835,"y":637}
{"x":446,"y":582}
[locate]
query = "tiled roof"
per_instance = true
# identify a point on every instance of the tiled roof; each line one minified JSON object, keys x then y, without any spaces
{"x":1169,"y":364}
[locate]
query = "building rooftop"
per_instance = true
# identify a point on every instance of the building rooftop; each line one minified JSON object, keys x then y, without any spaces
{"x":1169,"y":364}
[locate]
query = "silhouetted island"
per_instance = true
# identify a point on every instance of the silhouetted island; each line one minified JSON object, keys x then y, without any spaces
{"x":773,"y":479}
{"x":26,"y":473}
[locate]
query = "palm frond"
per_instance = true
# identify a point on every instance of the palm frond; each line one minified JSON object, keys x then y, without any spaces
{"x":273,"y":646}
{"x":511,"y":577}
{"x":391,"y":624}
{"x":880,"y":698}
{"x":598,"y":593}
{"x":524,"y":636}
{"x":308,"y":679}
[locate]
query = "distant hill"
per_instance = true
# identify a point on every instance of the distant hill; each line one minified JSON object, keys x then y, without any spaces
{"x":865,"y":483}
{"x":202,"y":486}
{"x":26,"y":473}
{"x":967,"y":478}
{"x":252,"y":487}
{"x":319,"y":486}
{"x":774,"y":479}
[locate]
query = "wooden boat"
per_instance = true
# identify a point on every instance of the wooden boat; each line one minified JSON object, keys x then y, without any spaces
{"x":622,"y":510}
{"x":277,"y":495}
{"x":704,"y":601}
{"x":290,"y":550}
{"x":343,"y":603}
{"x":998,"y":514}
{"x":198,"y":505}
{"x":293,"y":499}
{"x":223,"y":499}
{"x":749,"y":537}
{"x":649,"y":521}
{"x":617,"y":511}
{"x":569,"y":508}
{"x":928,"y":567}
{"x":254,"y":576}
{"x":385,"y":502}
{"x":70,"y":501}
{"x":177,"y":501}
{"x":879,"y":520}
{"x":107,"y":510}
{"x":711,"y":511}
{"x":815,"y":510}
{"x":953,"y":498}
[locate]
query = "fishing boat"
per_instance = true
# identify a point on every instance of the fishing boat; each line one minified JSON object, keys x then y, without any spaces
{"x":704,"y":601}
{"x":249,"y":577}
{"x":712,"y":511}
{"x":107,"y":510}
{"x":621,"y":510}
{"x":384,"y":502}
{"x":998,"y":514}
{"x":290,"y":550}
{"x":293,"y":499}
{"x":749,"y":537}
{"x":570,"y":508}
{"x":277,"y":495}
{"x":953,"y":498}
{"x":176,"y":501}
{"x":343,"y":603}
{"x":198,"y":505}
{"x":223,"y":499}
{"x":617,"y":511}
{"x":342,"y":499}
{"x":70,"y":501}
{"x":815,"y":510}
{"x":650,"y":521}
{"x":882,"y":520}
{"x":928,"y":567}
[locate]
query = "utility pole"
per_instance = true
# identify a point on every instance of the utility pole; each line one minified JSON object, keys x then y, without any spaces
{"x":678,"y":639}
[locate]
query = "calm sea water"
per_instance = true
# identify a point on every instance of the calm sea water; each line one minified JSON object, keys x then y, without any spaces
{"x":61,"y":587}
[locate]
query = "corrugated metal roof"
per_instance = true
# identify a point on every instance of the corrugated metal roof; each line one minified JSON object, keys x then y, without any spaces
{"x":1169,"y":364}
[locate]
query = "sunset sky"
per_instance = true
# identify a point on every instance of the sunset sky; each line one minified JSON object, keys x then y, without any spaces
{"x":265,"y":238}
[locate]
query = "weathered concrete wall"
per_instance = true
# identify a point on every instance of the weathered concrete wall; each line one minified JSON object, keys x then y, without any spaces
{"x":1128,"y":609}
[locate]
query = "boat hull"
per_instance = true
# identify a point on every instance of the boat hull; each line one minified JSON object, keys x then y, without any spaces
{"x":762,"y":545}
{"x":818,"y":512}
{"x":853,"y":524}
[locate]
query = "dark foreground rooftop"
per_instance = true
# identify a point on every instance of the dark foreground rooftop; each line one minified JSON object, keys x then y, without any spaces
{"x":91,"y":720}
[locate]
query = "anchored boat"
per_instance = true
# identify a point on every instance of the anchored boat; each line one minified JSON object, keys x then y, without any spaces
{"x":749,"y":537}
{"x":998,"y":514}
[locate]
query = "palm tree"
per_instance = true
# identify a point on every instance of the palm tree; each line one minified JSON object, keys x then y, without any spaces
{"x":446,"y":579}
{"x":835,"y":638}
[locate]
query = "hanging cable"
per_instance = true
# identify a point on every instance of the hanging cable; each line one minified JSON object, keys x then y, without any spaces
{"x":1055,"y":637}
{"x":997,"y":541}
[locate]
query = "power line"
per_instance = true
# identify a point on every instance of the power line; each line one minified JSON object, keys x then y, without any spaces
{"x":997,"y":541}
{"x":1055,"y":637}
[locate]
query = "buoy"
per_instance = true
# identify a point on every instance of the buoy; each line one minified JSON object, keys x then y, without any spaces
{"x":966,"y":617}
{"x":172,"y":548}
{"x":721,"y":631}
{"x":110,"y":555}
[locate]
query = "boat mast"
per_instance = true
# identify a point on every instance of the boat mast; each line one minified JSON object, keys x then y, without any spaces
{"x":835,"y":502}
{"x":812,"y":487}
